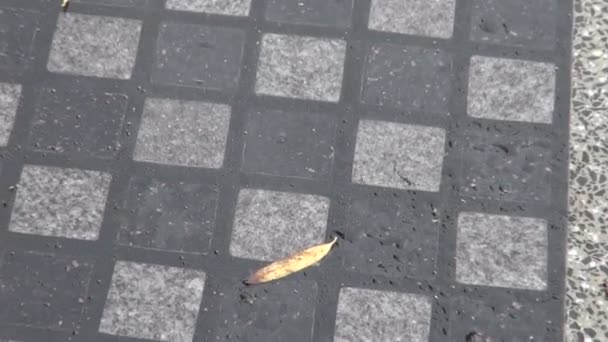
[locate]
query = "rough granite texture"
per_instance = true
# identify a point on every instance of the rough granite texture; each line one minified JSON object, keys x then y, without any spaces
{"x":301,"y":67}
{"x":509,"y":89}
{"x":94,"y":46}
{"x":412,"y":166}
{"x":370,"y":315}
{"x":9,"y":101}
{"x":503,"y":251}
{"x":226,"y":7}
{"x":389,"y":72}
{"x":586,"y":299}
{"x":61,"y":202}
{"x":432,"y":18}
{"x":270,"y":225}
{"x":153,"y":302}
{"x":186,"y":133}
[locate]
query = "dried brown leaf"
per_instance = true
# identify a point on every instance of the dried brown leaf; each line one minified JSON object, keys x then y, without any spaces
{"x":293,"y":263}
{"x":65,"y":3}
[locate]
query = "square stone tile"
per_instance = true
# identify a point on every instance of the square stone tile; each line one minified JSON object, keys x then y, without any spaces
{"x":499,"y":318}
{"x":407,"y":77}
{"x":301,"y":67}
{"x":172,"y":216}
{"x":274,"y":312}
{"x":54,"y":201}
{"x":270,"y":225}
{"x":509,"y":89}
{"x":198,"y":56}
{"x":153,"y":302}
{"x":9,"y":102}
{"x":97,"y":46}
{"x":43,"y":290}
{"x":391,"y":236}
{"x":226,"y":7}
{"x":400,"y":156}
{"x":18,"y":30}
{"x":516,"y":22}
{"x":502,"y":251}
{"x":186,"y":133}
{"x":416,"y":17}
{"x":121,"y":3}
{"x":78,"y":121}
{"x":371,"y":315}
{"x":291,"y":144}
{"x":507,"y":164}
{"x":336,"y":13}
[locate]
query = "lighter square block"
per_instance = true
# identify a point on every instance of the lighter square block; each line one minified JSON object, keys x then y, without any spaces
{"x":270,"y":225}
{"x":509,"y":89}
{"x":225,"y":7}
{"x":54,"y":201}
{"x":301,"y":67}
{"x":502,"y":251}
{"x":399,"y":156}
{"x":97,"y":46}
{"x":381,"y":316}
{"x":9,"y":101}
{"x":153,"y":302}
{"x":431,"y":18}
{"x":185,"y":133}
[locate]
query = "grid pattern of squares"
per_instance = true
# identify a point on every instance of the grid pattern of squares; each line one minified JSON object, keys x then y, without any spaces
{"x":157,"y":151}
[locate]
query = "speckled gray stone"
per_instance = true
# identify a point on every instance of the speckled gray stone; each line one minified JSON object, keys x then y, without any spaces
{"x":9,"y":101}
{"x":587,"y":258}
{"x":94,"y":46}
{"x":407,"y":78}
{"x":18,"y":30}
{"x":122,"y":3}
{"x":226,"y":7}
{"x":416,"y":164}
{"x":336,"y":13}
{"x":382,"y":316}
{"x":270,"y":225}
{"x":433,"y":18}
{"x":509,"y":89}
{"x":301,"y":67}
{"x":186,"y":133}
{"x":62,"y":202}
{"x":153,"y":302}
{"x":502,"y":251}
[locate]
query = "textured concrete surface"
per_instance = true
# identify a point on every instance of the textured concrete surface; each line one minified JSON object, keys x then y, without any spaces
{"x":508,"y":89}
{"x":289,"y":223}
{"x":9,"y":101}
{"x":417,"y":17}
{"x":152,"y":301}
{"x":368,"y":315}
{"x":390,"y":70}
{"x":198,"y":56}
{"x":335,"y":13}
{"x":60,"y":202}
{"x":94,"y":46}
{"x":301,"y":67}
{"x":162,"y":151}
{"x":412,"y":166}
{"x":79,"y":121}
{"x":289,"y":144}
{"x":505,"y":251}
{"x":186,"y":133}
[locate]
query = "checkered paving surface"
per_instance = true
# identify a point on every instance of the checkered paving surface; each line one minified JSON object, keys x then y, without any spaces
{"x":155,"y":152}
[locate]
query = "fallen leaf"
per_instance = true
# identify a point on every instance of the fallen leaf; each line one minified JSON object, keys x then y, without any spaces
{"x":65,"y":3}
{"x":291,"y":264}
